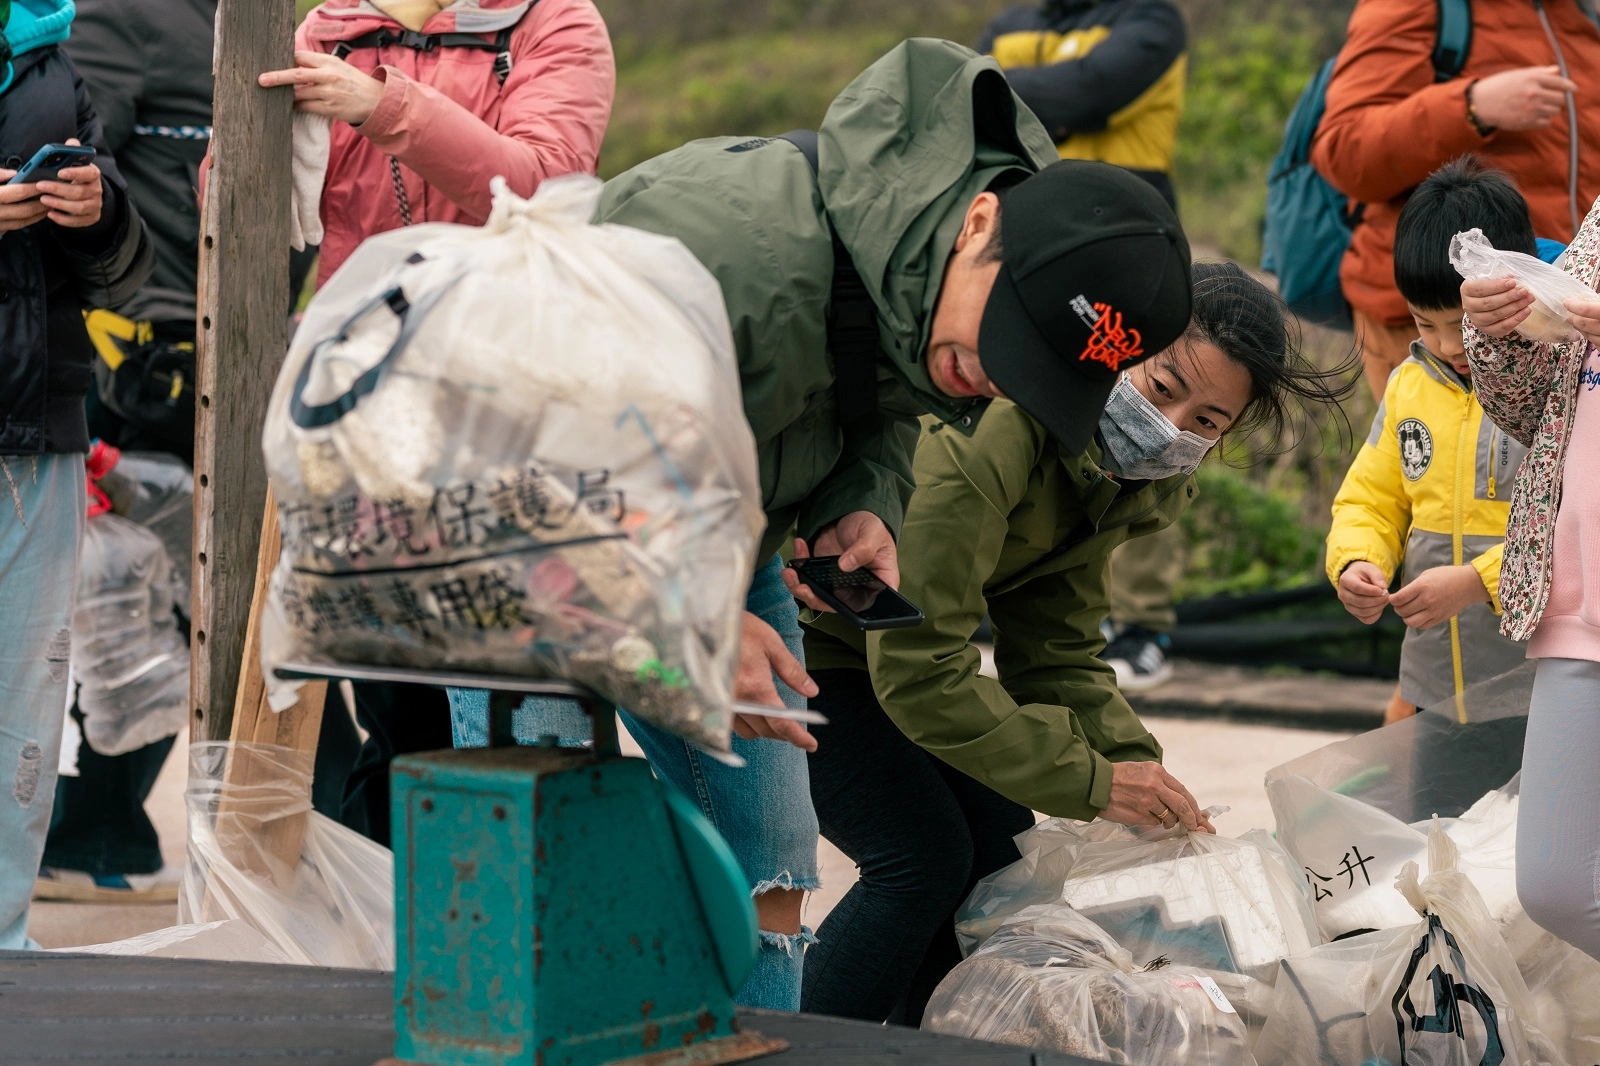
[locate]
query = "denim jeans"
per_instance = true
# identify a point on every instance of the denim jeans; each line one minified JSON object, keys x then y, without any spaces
{"x":763,"y":809}
{"x":43,"y":500}
{"x":921,"y":832}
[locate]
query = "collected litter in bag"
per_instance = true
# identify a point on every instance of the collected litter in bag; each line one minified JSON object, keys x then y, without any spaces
{"x":333,"y":906}
{"x":157,"y":491}
{"x":1230,"y":904}
{"x":131,"y":664}
{"x":1444,"y":991}
{"x":1548,"y":322}
{"x":519,"y":449}
{"x":1060,"y":982}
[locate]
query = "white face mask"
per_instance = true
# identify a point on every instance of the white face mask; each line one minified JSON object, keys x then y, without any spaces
{"x":1140,"y":443}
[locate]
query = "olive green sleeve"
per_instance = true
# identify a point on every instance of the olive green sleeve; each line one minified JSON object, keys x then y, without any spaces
{"x":927,"y":678}
{"x":874,"y":471}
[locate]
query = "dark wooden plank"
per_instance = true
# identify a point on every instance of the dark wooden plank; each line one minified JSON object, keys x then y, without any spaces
{"x":243,"y":306}
{"x":56,"y":1008}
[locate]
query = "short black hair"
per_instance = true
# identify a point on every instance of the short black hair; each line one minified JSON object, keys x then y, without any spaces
{"x":1461,"y":195}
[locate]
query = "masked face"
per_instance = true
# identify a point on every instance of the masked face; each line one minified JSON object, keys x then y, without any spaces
{"x":1140,"y":443}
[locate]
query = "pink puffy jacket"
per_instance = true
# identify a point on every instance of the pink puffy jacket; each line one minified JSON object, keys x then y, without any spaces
{"x":451,"y":124}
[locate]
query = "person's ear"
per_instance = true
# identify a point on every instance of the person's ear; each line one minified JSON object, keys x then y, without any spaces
{"x":983,"y":216}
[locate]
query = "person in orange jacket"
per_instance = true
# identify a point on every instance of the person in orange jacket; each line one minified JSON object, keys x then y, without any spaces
{"x":1527,"y":102}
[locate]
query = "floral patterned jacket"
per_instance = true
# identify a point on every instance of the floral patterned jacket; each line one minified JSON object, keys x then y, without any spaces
{"x":1530,"y":390}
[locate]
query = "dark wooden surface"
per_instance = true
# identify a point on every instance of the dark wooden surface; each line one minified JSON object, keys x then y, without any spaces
{"x":243,"y":320}
{"x":83,"y":1008}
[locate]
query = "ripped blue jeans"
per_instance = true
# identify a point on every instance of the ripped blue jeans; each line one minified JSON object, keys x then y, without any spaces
{"x":763,"y":809}
{"x":43,"y":500}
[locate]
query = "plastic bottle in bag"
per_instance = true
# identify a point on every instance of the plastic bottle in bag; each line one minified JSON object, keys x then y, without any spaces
{"x":131,"y":664}
{"x":519,"y":449}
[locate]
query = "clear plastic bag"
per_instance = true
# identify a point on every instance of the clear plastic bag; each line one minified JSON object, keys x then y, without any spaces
{"x":1229,"y":904}
{"x":157,"y":491}
{"x":332,"y":907}
{"x":226,"y":940}
{"x":519,"y":449}
{"x":1474,"y":257}
{"x":1444,"y":991}
{"x":1058,"y":981}
{"x":131,"y":664}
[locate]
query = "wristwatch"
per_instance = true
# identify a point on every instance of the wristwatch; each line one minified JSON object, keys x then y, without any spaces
{"x":1472,"y":112}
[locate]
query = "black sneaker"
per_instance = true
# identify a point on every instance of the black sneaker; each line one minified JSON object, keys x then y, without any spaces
{"x":1139,"y":657}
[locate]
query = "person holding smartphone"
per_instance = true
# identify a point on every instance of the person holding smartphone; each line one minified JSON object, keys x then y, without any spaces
{"x":69,"y":241}
{"x":928,"y":767}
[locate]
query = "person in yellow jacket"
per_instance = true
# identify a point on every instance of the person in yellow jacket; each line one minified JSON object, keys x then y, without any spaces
{"x":1431,"y":487}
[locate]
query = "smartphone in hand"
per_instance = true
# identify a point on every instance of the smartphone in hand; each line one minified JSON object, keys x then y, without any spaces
{"x":858,"y":596}
{"x":48,"y":163}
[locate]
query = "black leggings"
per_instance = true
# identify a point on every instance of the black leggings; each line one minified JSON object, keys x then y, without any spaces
{"x":922,"y":834}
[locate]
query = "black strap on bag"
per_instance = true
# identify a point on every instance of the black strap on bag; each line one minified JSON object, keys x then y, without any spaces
{"x":852,"y":318}
{"x":311,"y":416}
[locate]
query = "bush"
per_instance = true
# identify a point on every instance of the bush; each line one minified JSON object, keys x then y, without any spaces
{"x":1244,"y":537}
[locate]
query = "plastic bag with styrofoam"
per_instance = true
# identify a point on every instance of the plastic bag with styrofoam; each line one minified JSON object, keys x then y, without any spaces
{"x":1549,"y":321}
{"x":320,"y":894}
{"x":519,"y":449}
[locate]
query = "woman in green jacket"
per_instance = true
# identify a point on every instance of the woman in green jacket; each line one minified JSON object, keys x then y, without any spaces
{"x":928,"y":768}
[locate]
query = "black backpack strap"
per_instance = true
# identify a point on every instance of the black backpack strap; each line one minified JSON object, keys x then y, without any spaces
{"x":1453,"y":43}
{"x":428,"y":42}
{"x":852,"y":318}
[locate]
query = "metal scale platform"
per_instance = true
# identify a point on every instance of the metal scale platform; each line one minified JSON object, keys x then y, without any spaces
{"x":558,"y":906}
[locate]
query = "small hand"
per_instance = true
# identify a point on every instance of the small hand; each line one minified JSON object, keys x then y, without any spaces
{"x":1438,"y":595}
{"x":327,"y":85}
{"x":1364,"y":591}
{"x":1143,"y":793}
{"x":76,"y":199}
{"x":1496,"y":306}
{"x":860,"y":539}
{"x":1586,"y":317}
{"x":762,"y":653}
{"x":1523,"y":99}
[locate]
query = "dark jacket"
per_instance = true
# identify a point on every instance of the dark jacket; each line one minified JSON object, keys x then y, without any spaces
{"x":904,"y":150}
{"x":49,"y":275}
{"x":148,"y":67}
{"x":1104,"y":76}
{"x":1004,"y":523}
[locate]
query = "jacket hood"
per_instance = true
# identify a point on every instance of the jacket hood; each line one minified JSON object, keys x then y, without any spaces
{"x":34,"y":24}
{"x":341,"y":20}
{"x":903,"y":152}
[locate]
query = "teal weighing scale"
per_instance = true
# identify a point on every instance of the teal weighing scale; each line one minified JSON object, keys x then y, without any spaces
{"x":558,"y":906}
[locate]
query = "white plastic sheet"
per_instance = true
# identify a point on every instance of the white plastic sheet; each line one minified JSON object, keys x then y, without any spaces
{"x":519,"y":449}
{"x":332,"y":907}
{"x":1232,"y":904}
{"x":131,"y":663}
{"x":1442,"y":991}
{"x":1057,"y":981}
{"x":1474,"y":257}
{"x":227,"y":940}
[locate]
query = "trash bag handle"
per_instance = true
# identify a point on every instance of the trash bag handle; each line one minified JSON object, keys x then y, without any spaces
{"x":311,"y":416}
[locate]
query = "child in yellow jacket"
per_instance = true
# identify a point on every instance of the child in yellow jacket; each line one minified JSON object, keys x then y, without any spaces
{"x":1431,"y":487}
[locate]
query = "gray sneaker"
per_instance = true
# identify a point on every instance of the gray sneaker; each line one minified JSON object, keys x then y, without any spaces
{"x":1139,"y":657}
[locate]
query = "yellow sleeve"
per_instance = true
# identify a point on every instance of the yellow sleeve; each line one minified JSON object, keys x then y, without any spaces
{"x":1488,"y":567}
{"x":1372,"y":512}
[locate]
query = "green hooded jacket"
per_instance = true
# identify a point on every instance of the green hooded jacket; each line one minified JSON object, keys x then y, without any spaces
{"x":1004,"y":523}
{"x":904,"y":151}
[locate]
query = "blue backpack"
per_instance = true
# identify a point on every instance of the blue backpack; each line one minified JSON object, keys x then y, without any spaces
{"x":1309,"y":222}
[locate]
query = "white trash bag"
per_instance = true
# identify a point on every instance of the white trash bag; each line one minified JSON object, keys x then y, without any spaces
{"x":1229,"y":904}
{"x":131,"y":664}
{"x":1549,"y":322}
{"x":157,"y":491}
{"x":519,"y":449}
{"x":331,"y":905}
{"x":1444,"y":991}
{"x":1059,"y":982}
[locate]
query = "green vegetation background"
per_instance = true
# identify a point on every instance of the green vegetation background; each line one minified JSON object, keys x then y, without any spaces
{"x":696,"y":68}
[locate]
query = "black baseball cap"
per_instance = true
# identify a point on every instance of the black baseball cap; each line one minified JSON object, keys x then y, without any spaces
{"x":1094,"y":279}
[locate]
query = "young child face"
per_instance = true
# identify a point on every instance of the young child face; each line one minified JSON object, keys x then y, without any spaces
{"x":1441,"y":335}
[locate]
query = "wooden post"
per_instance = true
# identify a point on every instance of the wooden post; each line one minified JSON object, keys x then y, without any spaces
{"x":243,"y":320}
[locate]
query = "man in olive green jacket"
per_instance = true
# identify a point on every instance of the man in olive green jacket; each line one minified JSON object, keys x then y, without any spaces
{"x":909,"y":161}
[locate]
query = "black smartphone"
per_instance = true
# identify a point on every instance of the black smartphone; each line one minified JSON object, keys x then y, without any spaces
{"x":48,"y":163}
{"x":859,"y":596}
